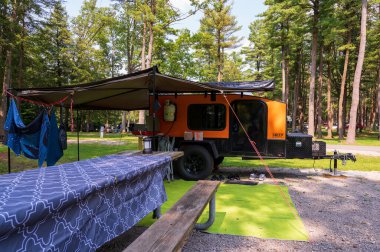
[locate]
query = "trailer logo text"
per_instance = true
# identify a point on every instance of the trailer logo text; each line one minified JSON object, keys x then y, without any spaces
{"x":278,"y":134}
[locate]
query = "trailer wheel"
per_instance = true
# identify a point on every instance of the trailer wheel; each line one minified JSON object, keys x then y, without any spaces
{"x":196,"y":163}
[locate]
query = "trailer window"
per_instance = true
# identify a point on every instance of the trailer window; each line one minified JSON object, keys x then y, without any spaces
{"x":206,"y":117}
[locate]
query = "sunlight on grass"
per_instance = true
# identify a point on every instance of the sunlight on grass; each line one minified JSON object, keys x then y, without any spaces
{"x":244,"y":210}
{"x":107,"y":136}
{"x":363,"y":163}
{"x":87,"y":150}
{"x":129,"y":142}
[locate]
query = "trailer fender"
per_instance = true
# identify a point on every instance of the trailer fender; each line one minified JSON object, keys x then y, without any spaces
{"x":210,"y":147}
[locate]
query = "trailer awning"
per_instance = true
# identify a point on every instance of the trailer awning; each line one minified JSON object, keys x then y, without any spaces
{"x":132,"y":91}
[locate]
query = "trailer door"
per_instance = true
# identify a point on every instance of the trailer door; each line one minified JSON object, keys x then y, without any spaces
{"x":253,"y":115}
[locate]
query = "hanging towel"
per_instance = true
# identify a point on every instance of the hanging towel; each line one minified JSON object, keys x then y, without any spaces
{"x":32,"y":140}
{"x":44,"y":139}
{"x":55,"y":151}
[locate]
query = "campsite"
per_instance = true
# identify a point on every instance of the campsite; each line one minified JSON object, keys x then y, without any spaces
{"x":192,"y":125}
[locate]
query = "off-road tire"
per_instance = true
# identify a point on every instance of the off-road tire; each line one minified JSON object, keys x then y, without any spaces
{"x":197,"y":163}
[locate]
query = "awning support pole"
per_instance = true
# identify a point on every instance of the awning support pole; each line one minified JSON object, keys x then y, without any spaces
{"x":154,"y":108}
{"x":78,"y":133}
{"x":9,"y":150}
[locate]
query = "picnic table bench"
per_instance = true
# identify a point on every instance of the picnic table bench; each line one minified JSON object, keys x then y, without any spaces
{"x":170,"y":232}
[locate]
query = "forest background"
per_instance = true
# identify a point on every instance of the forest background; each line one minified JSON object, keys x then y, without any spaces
{"x":324,"y":55}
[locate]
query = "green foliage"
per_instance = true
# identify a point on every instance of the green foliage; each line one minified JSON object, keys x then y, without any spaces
{"x":216,"y":35}
{"x":48,"y":49}
{"x":175,"y":57}
{"x":258,"y":53}
{"x":91,"y":53}
{"x":52,"y":47}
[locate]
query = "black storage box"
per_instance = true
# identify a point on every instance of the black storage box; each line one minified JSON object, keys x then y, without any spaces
{"x":299,"y":145}
{"x":319,"y":148}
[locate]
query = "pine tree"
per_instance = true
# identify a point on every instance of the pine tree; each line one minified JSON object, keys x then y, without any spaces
{"x":216,"y":35}
{"x":256,"y":54}
{"x":53,"y":63}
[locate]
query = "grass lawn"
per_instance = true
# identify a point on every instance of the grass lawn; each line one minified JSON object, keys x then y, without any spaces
{"x":128,"y":142}
{"x":87,"y":150}
{"x":96,"y":136}
{"x":363,"y":163}
{"x":368,"y":138}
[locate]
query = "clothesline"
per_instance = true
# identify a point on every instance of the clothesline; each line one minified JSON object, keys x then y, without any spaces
{"x":37,"y":102}
{"x":40,"y":139}
{"x":48,"y":104}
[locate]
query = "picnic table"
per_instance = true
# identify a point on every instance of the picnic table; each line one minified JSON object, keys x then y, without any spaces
{"x":81,"y":205}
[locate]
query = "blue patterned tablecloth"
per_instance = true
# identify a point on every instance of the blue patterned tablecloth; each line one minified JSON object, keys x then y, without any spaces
{"x":79,"y":206}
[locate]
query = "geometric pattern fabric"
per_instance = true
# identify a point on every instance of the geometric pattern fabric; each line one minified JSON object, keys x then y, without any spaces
{"x":81,"y":205}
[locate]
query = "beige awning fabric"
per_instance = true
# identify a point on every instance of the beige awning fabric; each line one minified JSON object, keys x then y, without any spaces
{"x":131,"y":91}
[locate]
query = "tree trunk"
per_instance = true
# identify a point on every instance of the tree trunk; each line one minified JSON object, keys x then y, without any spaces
{"x":219,"y":57}
{"x":22,"y":54}
{"x":66,"y":121}
{"x":378,"y":95}
{"x":378,"y":89}
{"x":88,"y":121}
{"x":364,"y":115}
{"x":285,"y":74}
{"x":151,"y":34}
{"x":7,"y":78}
{"x":314,"y":48}
{"x":82,"y":124}
{"x":131,"y":48}
{"x":150,"y":47}
{"x":143,"y":47}
{"x":6,"y":85}
{"x":287,"y":77}
{"x":351,"y":134}
{"x":319,"y":95}
{"x":123,"y":121}
{"x":373,"y":110}
{"x":143,"y":66}
{"x":302,"y":97}
{"x":128,"y":120}
{"x":296,"y":89}
{"x":341,"y":114}
{"x":302,"y":111}
{"x":329,"y":107}
{"x":345,"y":99}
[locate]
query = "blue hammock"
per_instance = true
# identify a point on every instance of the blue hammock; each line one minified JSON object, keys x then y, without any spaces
{"x":37,"y":140}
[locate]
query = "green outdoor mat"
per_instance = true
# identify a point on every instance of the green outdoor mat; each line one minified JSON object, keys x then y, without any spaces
{"x":245,"y":210}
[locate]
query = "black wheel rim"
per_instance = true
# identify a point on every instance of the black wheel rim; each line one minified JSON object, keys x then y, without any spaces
{"x":194,"y":164}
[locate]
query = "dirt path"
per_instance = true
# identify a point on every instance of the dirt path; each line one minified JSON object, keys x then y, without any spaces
{"x":355,"y":149}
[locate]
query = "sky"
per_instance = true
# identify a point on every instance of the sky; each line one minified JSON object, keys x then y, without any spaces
{"x":244,"y":10}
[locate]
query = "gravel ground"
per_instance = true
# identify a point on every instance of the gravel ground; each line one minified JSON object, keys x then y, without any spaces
{"x":340,"y":213}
